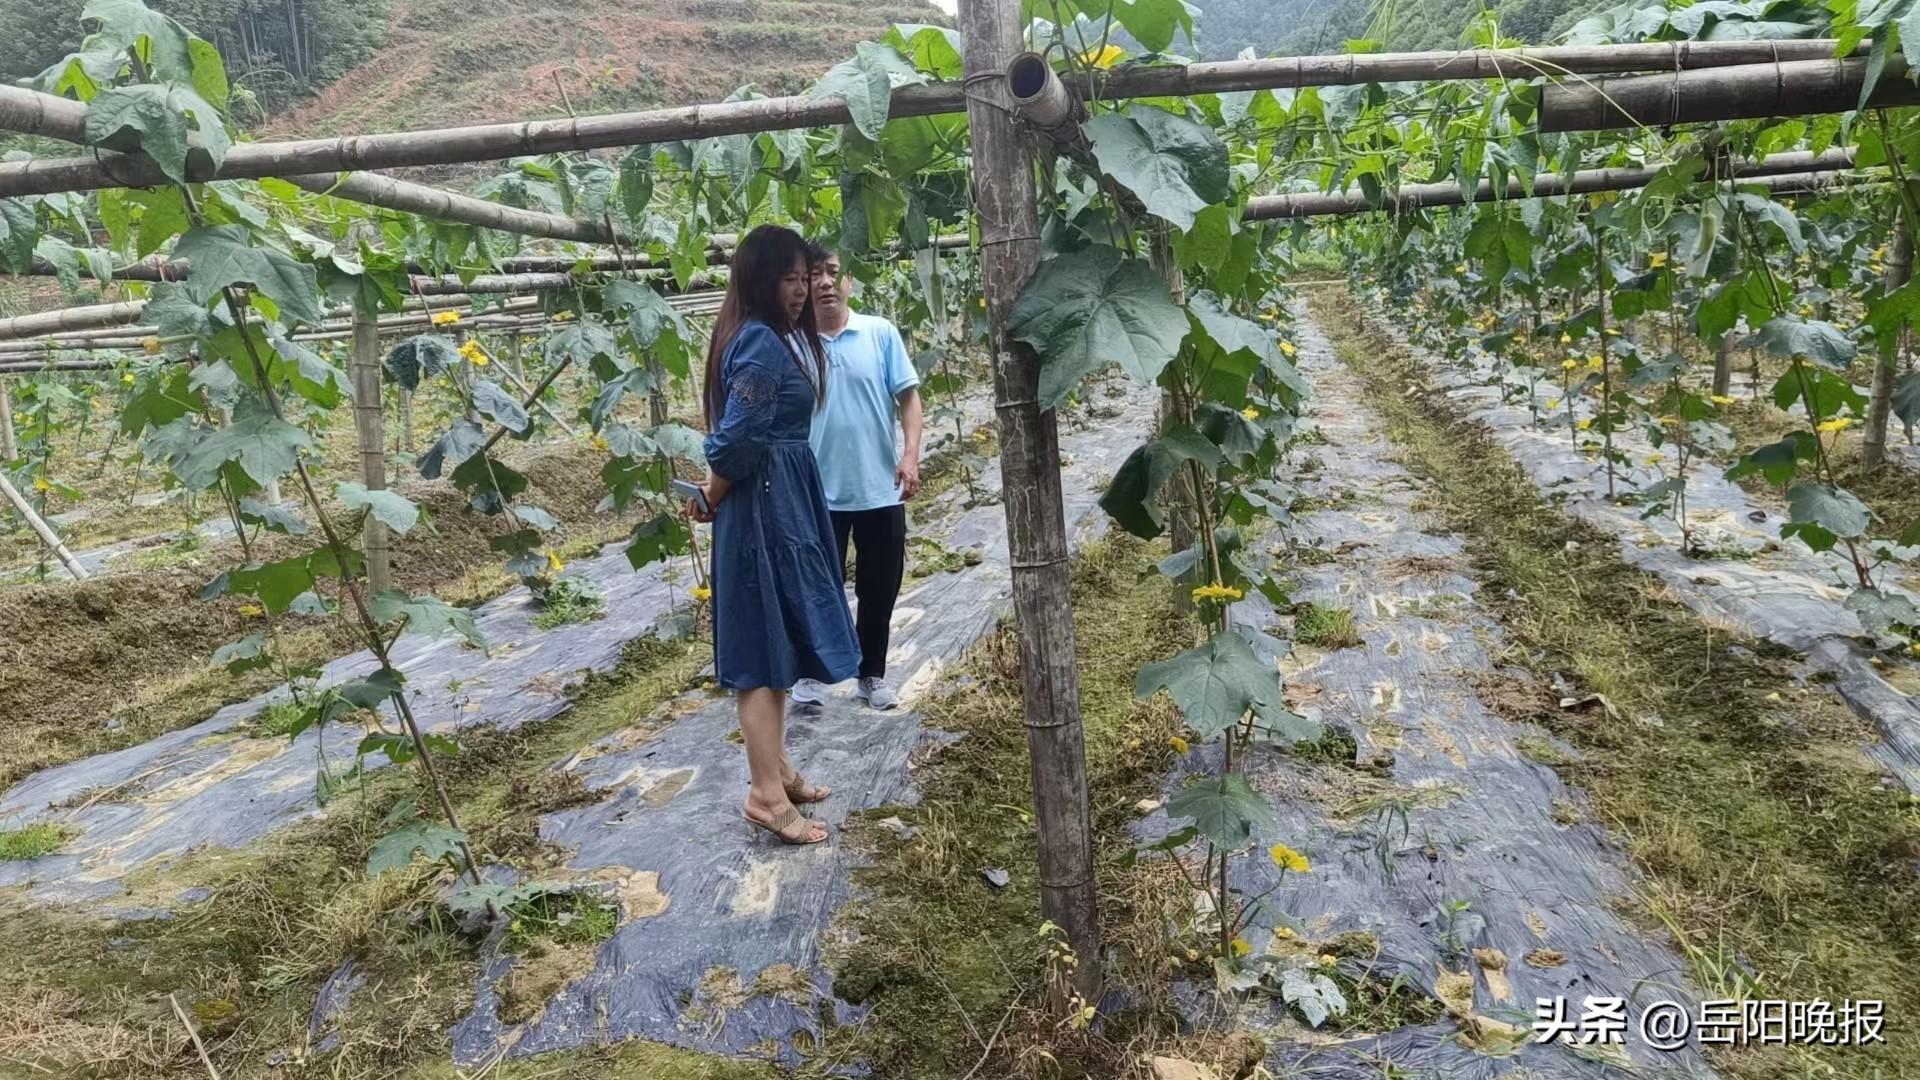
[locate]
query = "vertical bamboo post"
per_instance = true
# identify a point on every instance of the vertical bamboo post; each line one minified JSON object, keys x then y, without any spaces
{"x":657,"y":394}
{"x":40,"y":527}
{"x":1003,"y":193}
{"x":1723,"y":363}
{"x":1180,"y":497}
{"x":9,"y":448}
{"x":1873,"y":450}
{"x":369,"y":421}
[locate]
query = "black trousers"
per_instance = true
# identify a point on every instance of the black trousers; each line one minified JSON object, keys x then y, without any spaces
{"x":879,"y":539}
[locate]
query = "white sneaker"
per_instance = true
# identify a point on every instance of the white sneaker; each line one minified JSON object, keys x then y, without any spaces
{"x":877,"y":694}
{"x":809,"y":692}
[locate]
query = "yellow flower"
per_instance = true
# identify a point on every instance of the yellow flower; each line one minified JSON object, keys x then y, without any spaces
{"x":1461,"y":269}
{"x":1838,"y":423}
{"x":1104,"y":58}
{"x":1657,"y":260}
{"x":1216,"y":593}
{"x":127,"y":377}
{"x":151,"y":344}
{"x":1655,"y":459}
{"x":702,"y":594}
{"x":1721,"y":399}
{"x":554,"y":564}
{"x":1611,"y":332}
{"x":1806,"y":309}
{"x":1566,"y":338}
{"x":252,"y":611}
{"x":1328,"y":959}
{"x":1250,"y":413}
{"x":1596,"y":362}
{"x":1179,"y":744}
{"x":1286,"y":858}
{"x":1914,"y":648}
{"x":445,"y":318}
{"x":1585,"y":423}
{"x":1283,"y":933}
{"x":562,"y":316}
{"x":1287,"y":347}
{"x":1569,"y":365}
{"x":1240,"y":947}
{"x":473,"y":353}
{"x":1553,"y":403}
{"x":40,"y":483}
{"x":599,"y":442}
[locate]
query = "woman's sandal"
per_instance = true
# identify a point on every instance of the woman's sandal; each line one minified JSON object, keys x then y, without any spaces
{"x":799,"y":791}
{"x":782,"y":828}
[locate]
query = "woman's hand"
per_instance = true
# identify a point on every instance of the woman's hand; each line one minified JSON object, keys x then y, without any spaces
{"x":715,"y":489}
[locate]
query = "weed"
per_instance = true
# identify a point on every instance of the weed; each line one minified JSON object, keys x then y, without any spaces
{"x":31,"y":841}
{"x":568,"y":918}
{"x":277,"y":719}
{"x":568,"y":600}
{"x":1326,"y":627}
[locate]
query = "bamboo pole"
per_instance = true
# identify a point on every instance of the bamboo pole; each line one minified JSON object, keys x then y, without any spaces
{"x":492,"y":142}
{"x":1886,"y":368}
{"x":1003,"y":191}
{"x":1789,"y":173}
{"x":370,"y":428}
{"x":9,"y":446}
{"x":374,"y":189}
{"x":41,"y":529}
{"x":1788,"y":88}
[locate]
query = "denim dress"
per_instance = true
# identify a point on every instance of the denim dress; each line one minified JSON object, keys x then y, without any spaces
{"x":779,"y":609}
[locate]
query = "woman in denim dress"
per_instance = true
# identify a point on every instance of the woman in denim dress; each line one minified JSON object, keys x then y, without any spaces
{"x":779,"y":610}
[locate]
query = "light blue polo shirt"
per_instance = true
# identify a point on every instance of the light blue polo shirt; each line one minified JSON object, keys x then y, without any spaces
{"x":853,"y":435}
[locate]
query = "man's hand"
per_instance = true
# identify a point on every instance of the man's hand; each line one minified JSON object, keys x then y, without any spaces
{"x":907,"y":476}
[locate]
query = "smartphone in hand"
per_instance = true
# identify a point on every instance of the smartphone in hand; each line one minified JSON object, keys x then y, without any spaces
{"x":695,"y":492}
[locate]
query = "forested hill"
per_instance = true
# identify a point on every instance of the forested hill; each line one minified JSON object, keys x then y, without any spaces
{"x":1299,"y":27}
{"x":318,"y":67}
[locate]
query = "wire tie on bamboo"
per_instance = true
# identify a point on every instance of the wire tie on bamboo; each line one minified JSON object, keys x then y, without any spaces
{"x":1022,"y":564}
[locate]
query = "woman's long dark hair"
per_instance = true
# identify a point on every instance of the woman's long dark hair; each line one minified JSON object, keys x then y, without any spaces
{"x":753,"y":292}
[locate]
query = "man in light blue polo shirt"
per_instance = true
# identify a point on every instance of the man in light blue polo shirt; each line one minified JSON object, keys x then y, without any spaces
{"x":871,"y":385}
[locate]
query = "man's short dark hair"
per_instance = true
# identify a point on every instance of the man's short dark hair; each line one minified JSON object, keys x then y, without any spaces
{"x":819,"y":251}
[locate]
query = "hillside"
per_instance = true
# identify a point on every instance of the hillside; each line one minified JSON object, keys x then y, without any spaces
{"x":446,"y":62}
{"x":1298,"y":27}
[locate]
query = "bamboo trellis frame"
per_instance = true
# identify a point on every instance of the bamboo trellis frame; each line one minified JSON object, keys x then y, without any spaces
{"x":491,"y":142}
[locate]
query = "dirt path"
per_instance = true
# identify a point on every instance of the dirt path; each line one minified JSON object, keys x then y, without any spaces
{"x":1440,"y":834}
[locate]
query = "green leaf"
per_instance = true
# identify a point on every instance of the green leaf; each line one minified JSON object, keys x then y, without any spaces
{"x":866,"y":82}
{"x":1906,"y":398}
{"x":395,"y":851}
{"x":648,"y":313}
{"x":152,"y":119}
{"x":420,"y":357}
{"x":1881,"y":612}
{"x":19,"y":234}
{"x":247,"y":654}
{"x":1151,"y":22}
{"x":462,"y":441}
{"x":500,"y":407}
{"x":426,"y":616}
{"x":159,"y":398}
{"x":224,"y":255}
{"x":169,"y":52}
{"x":931,"y":49}
{"x":581,"y":342}
{"x":1226,"y":810}
{"x":209,"y":72}
{"x":1215,"y":685}
{"x":1315,"y":995}
{"x":1176,"y":167}
{"x":657,"y":538}
{"x":1094,"y":307}
{"x":1821,"y":342}
{"x":277,"y":584}
{"x":394,"y":510}
{"x":280,"y":519}
{"x":310,"y":375}
{"x":265,"y":447}
{"x":1820,"y":513}
{"x":1133,"y":498}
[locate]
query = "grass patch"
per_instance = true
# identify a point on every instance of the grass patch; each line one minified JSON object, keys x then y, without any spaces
{"x":1326,"y":627}
{"x":942,"y":958}
{"x":277,"y":719}
{"x":31,"y":841}
{"x":566,"y":918}
{"x":1762,"y":831}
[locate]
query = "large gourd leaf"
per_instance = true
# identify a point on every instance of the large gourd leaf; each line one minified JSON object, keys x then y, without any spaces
{"x":1225,"y":810}
{"x":224,"y":255}
{"x":1176,"y":167}
{"x":265,"y":447}
{"x":396,"y":511}
{"x":1216,"y":684}
{"x":152,"y":119}
{"x":1821,"y":342}
{"x":1094,"y":307}
{"x":866,"y":82}
{"x":1821,"y":514}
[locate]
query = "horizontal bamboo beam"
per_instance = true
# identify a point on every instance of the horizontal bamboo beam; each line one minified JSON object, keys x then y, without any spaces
{"x":1795,"y":166}
{"x":374,"y":189}
{"x":1791,"y":88}
{"x":490,"y":142}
